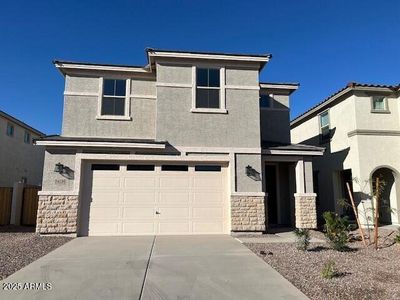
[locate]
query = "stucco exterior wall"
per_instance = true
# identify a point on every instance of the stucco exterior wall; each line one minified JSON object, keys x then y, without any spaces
{"x":80,"y":110}
{"x":18,"y":159}
{"x":275,"y":125}
{"x":53,"y":181}
{"x":176,"y":123}
{"x":245,"y":183}
{"x":360,"y":153}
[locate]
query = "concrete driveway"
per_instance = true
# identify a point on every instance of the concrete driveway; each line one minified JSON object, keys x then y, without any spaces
{"x":162,"y":267}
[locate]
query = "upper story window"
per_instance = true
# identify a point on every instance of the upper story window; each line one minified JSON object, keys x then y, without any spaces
{"x":324,"y":124}
{"x":27,"y":137}
{"x":114,"y":99}
{"x":114,"y":93}
{"x":266,"y":101}
{"x":207,"y":88}
{"x":379,"y":104}
{"x":10,"y":129}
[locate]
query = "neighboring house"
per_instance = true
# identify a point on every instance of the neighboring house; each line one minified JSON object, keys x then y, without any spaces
{"x":360,"y":128}
{"x":20,"y":160}
{"x":189,"y":144}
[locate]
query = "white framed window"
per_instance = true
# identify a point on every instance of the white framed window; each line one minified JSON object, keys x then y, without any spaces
{"x":27,"y":137}
{"x":324,"y":124}
{"x":10,"y":130}
{"x":114,"y":99}
{"x":208,"y":89}
{"x":379,"y":104}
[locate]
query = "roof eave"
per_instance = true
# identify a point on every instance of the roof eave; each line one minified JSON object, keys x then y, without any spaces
{"x":262,"y":60}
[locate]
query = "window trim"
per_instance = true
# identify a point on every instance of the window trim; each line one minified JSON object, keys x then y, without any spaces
{"x":27,"y":134}
{"x":222,"y":86}
{"x":324,"y":138}
{"x":380,"y":111}
{"x":127,"y":108}
{"x":10,"y":125}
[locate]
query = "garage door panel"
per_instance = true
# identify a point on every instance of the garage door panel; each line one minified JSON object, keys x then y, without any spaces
{"x":139,"y":182}
{"x":208,"y":213}
{"x":138,"y":227}
{"x":133,"y":198}
{"x":174,"y":213}
{"x":104,"y":213}
{"x":103,"y":228}
{"x":208,"y":227}
{"x":174,"y":182}
{"x":174,"y":197}
{"x":105,"y":198}
{"x":174,"y":227}
{"x":106,"y":182}
{"x":207,"y":183}
{"x":207,"y":197}
{"x":138,"y":212}
{"x":125,"y":202}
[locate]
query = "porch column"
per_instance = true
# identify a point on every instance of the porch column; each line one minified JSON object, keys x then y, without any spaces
{"x":305,"y":198}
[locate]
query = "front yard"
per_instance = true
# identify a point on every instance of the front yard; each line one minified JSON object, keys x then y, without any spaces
{"x":19,"y":246}
{"x":361,"y":273}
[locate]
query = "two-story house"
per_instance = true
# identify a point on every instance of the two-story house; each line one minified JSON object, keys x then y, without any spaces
{"x":20,"y":160}
{"x":191,"y":143}
{"x":360,"y":127}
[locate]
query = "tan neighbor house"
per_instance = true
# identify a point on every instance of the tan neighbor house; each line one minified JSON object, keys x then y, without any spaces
{"x":191,"y":143}
{"x":360,"y":128}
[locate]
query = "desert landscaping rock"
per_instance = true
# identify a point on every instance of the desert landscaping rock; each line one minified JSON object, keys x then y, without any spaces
{"x":362,"y":273}
{"x":19,"y":246}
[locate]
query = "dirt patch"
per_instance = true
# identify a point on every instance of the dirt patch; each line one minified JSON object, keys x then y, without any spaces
{"x":19,"y":246}
{"x":362,"y":273}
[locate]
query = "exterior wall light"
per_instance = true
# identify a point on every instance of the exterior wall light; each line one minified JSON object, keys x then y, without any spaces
{"x":252,"y":173}
{"x":59,"y":168}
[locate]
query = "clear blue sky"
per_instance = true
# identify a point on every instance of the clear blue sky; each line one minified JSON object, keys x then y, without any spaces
{"x":321,"y":44}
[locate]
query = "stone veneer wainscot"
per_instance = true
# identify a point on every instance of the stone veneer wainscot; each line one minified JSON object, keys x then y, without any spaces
{"x":306,"y":211}
{"x":57,"y":214}
{"x":248,"y":213}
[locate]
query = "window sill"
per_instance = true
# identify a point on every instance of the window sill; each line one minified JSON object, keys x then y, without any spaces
{"x":209,"y":110}
{"x":115,"y":118}
{"x":376,"y":111}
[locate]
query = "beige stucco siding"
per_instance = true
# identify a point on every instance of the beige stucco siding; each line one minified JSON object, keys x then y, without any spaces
{"x":244,"y":182}
{"x":81,"y":110}
{"x":241,"y":77}
{"x":18,"y":159}
{"x":53,"y":181}
{"x":178,"y":125}
{"x":382,"y":121}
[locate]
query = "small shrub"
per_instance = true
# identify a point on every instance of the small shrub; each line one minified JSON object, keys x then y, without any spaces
{"x":302,"y":238}
{"x":397,"y":237}
{"x":329,"y":270}
{"x":336,"y":230}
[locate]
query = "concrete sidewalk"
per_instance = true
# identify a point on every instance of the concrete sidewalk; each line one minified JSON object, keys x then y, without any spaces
{"x":165,"y":267}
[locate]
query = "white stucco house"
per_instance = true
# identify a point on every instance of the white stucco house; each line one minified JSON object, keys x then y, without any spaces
{"x":191,"y":143}
{"x":359,"y":126}
{"x":20,"y":160}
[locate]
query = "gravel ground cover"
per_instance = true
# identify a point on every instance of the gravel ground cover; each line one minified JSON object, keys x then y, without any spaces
{"x":19,"y":246}
{"x":362,"y":273}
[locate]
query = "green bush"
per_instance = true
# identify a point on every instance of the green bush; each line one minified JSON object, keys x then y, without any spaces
{"x":302,"y":238}
{"x":336,"y":230}
{"x":329,"y":270}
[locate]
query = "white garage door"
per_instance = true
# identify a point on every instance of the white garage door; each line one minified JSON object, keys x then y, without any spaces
{"x":136,"y":199}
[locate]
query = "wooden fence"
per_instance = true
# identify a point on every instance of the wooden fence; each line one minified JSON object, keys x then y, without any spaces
{"x":30,"y":201}
{"x":5,"y":205}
